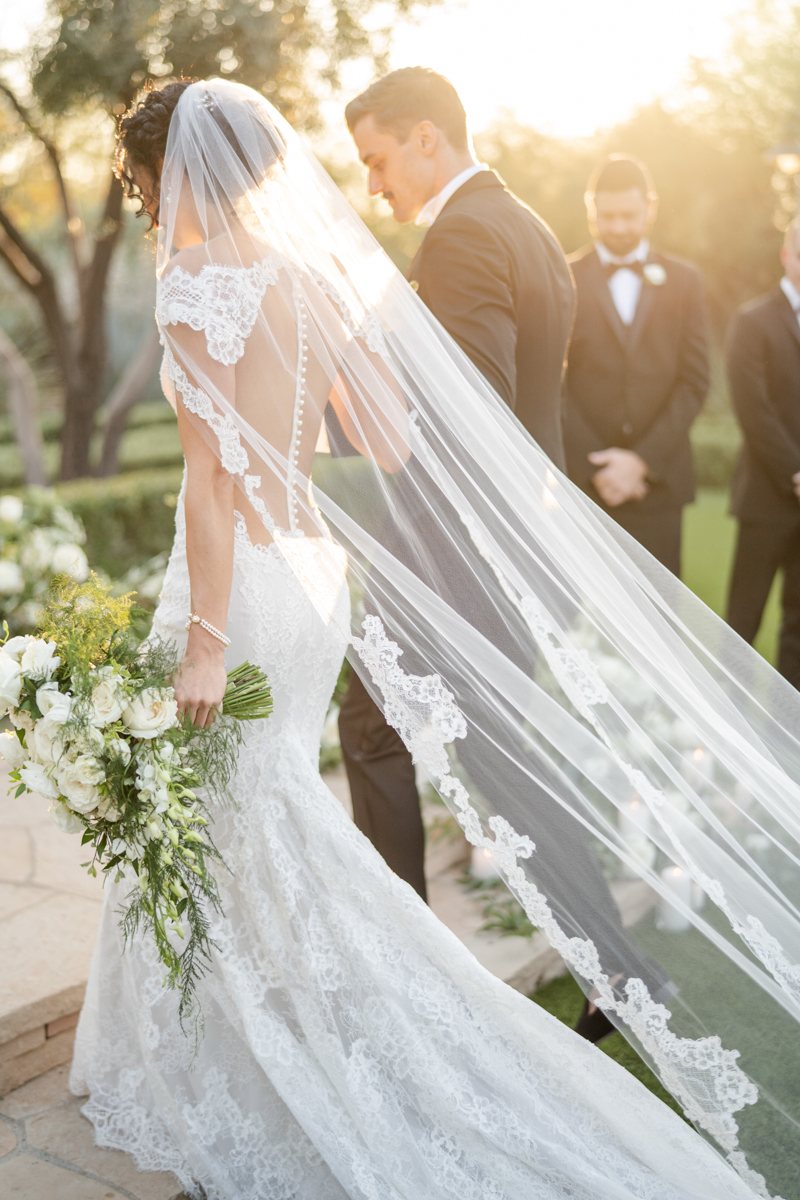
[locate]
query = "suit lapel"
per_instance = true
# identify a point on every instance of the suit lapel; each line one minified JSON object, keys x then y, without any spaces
{"x":788,"y":314}
{"x":606,"y":300}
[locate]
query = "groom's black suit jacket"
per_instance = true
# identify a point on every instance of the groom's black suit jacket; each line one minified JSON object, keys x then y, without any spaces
{"x":637,"y":387}
{"x":495,"y":277}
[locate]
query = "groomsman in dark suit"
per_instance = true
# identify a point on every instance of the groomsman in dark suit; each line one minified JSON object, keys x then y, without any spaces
{"x":763,"y":364}
{"x":637,"y":372}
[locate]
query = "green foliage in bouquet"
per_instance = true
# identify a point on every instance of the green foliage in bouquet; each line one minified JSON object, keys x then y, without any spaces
{"x":97,"y":731}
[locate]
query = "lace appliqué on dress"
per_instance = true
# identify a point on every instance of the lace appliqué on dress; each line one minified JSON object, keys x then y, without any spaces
{"x":222,"y":301}
{"x":701,"y":1073}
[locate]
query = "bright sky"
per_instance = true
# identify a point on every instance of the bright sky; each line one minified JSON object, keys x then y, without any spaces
{"x":564,"y":66}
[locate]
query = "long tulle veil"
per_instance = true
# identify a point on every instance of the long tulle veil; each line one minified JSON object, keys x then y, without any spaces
{"x":587,"y":720}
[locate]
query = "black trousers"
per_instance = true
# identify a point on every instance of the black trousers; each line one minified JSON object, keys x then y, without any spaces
{"x":386,"y":808}
{"x":761,"y":550}
{"x":658,"y":532}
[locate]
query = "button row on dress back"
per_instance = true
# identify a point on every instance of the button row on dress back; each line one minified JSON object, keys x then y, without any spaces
{"x":297,"y":422}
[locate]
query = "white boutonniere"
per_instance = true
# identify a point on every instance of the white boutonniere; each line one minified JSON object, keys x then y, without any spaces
{"x":655,"y":274}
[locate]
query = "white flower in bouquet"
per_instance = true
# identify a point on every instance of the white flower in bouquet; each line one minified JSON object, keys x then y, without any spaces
{"x":64,"y":818}
{"x":11,"y":750}
{"x":37,"y":551}
{"x":36,"y":777}
{"x":49,"y":729}
{"x":88,"y":740}
{"x":69,"y":559}
{"x":39,"y":660}
{"x":21,"y":720}
{"x":12,"y":581}
{"x":106,"y":810}
{"x":79,"y":782}
{"x":11,"y":510}
{"x":151,"y":712}
{"x":10,"y":683}
{"x":118,"y":748}
{"x":108,"y":699}
{"x":16,"y":646}
{"x":46,"y":745}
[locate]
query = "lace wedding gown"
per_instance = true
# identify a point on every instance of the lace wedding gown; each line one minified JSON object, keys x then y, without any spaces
{"x":353,"y":1047}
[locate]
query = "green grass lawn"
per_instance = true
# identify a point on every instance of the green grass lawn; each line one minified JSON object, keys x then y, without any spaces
{"x":709,"y":536}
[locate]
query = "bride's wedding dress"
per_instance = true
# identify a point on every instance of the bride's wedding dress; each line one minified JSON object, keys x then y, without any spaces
{"x":353,"y":1048}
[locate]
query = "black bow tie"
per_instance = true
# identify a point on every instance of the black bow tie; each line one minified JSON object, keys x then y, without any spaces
{"x":612,"y":268}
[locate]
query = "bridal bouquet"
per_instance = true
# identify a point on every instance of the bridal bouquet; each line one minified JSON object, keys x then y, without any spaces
{"x":97,"y":732}
{"x":39,"y":539}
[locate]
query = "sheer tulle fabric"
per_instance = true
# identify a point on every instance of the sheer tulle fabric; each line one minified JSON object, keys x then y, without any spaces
{"x":582,"y":714}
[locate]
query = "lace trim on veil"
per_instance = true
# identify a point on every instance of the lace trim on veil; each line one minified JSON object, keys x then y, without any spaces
{"x":700,"y":1072}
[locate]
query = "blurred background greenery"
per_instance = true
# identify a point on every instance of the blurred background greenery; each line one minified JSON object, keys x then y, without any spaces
{"x":78,"y":368}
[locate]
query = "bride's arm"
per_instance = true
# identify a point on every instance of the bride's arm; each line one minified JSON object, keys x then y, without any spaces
{"x":208,"y":504}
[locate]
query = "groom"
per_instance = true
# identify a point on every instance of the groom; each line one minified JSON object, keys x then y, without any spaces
{"x":495,"y":277}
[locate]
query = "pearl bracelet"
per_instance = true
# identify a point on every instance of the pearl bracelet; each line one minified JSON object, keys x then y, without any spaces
{"x":194,"y":619}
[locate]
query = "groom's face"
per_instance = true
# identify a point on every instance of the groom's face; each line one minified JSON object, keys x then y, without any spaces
{"x":403,"y":173}
{"x":620,"y":219}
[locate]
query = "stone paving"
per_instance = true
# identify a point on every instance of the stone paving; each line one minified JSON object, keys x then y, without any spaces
{"x":47,"y":1151}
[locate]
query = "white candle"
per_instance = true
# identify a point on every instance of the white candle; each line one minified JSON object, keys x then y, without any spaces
{"x":634,"y":819}
{"x":482,"y":865}
{"x":679,"y":883}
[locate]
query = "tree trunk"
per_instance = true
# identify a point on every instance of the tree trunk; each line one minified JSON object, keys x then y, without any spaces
{"x":83,"y":396}
{"x":23,"y":407}
{"x":128,"y":392}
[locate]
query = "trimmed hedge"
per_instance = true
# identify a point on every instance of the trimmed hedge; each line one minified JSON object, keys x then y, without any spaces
{"x":128,"y":518}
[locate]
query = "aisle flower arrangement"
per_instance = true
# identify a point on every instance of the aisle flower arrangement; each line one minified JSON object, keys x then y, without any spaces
{"x":39,"y":539}
{"x":97,"y":732}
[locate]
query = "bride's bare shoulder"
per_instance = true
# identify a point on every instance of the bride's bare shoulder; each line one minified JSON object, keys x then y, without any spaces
{"x":221,"y":251}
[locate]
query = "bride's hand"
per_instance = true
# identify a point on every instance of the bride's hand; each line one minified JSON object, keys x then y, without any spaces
{"x":200,"y":681}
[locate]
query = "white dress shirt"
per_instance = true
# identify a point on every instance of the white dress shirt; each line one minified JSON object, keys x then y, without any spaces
{"x":792,"y":295}
{"x":625,"y":286}
{"x":435,"y":205}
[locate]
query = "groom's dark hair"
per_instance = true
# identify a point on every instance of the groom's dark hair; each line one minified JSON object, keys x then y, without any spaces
{"x":402,"y":99}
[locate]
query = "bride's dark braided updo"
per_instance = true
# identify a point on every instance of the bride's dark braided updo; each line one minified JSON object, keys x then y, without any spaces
{"x":142,"y":137}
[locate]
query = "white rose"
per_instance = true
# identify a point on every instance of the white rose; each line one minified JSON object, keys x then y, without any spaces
{"x":89,"y":741}
{"x":79,"y":781}
{"x":10,"y":510}
{"x":38,"y":660}
{"x":118,"y":748}
{"x":37,"y":551}
{"x":70,"y":560}
{"x":151,"y":712}
{"x":16,"y":646}
{"x":108,"y":700}
{"x":11,"y":750}
{"x":35,"y":777}
{"x":64,"y":818}
{"x":12,"y":581}
{"x":21,"y":720}
{"x":45,"y":742}
{"x":106,"y":810}
{"x":10,"y":683}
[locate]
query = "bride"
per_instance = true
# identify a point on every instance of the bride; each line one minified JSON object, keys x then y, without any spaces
{"x":352,"y":1047}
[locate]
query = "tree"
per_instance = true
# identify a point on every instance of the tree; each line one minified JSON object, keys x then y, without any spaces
{"x":99,"y":56}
